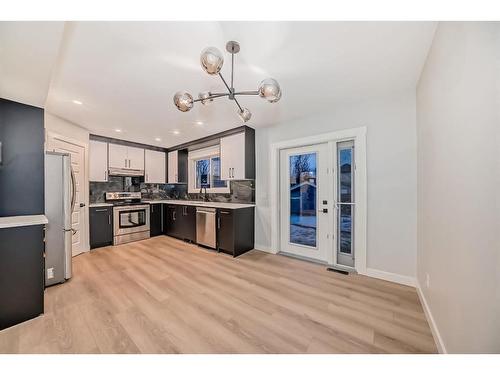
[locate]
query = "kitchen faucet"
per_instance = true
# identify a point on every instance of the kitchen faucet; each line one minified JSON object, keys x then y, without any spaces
{"x":205,"y":197}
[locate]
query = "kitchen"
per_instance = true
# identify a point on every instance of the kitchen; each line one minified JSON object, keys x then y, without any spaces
{"x":216,"y":221}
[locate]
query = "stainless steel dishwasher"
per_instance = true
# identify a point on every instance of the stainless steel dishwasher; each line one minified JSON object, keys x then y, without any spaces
{"x":205,"y":226}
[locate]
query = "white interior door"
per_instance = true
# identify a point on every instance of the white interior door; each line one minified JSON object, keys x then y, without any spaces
{"x":77,"y":153}
{"x":305,"y":194}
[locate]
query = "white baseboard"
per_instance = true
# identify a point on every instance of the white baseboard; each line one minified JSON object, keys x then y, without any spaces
{"x":263,"y":248}
{"x":432,"y":323}
{"x":389,"y":276}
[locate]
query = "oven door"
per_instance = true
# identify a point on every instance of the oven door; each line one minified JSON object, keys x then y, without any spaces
{"x":130,"y":219}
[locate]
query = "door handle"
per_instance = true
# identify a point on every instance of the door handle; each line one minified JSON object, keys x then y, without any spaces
{"x":324,"y":210}
{"x":82,"y":204}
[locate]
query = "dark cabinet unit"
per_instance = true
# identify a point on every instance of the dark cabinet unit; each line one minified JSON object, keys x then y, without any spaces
{"x":170,"y":220}
{"x":101,"y":226}
{"x":21,"y":274}
{"x":188,"y":214}
{"x":182,"y":166}
{"x":180,"y":222}
{"x":155,"y":222}
{"x":235,"y":230}
{"x":21,"y":159}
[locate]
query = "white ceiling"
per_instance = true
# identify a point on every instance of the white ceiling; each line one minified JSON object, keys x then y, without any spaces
{"x":126,"y":73}
{"x":28,"y":52}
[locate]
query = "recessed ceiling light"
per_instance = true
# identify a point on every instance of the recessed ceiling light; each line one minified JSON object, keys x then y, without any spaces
{"x":77,"y":102}
{"x":199,"y":122}
{"x":157,"y":139}
{"x":176,"y":132}
{"x":118,"y":130}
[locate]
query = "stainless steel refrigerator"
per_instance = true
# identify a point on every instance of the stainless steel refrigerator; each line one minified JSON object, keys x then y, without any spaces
{"x":59,"y":205}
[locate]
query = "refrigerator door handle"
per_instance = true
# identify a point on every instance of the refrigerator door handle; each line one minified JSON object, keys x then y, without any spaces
{"x":73,"y":192}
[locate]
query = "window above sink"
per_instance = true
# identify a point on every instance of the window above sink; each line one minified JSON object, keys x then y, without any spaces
{"x":204,"y":171}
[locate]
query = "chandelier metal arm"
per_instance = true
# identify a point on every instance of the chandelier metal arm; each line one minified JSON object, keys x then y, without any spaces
{"x":247,"y":93}
{"x":215,"y":95}
{"x":238,"y":104}
{"x":232,"y":71}
{"x":225,"y":83}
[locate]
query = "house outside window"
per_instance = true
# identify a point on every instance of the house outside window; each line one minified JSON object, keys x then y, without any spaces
{"x":204,"y":171}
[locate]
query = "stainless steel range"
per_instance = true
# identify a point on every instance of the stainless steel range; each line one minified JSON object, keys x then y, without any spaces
{"x":130,"y":217}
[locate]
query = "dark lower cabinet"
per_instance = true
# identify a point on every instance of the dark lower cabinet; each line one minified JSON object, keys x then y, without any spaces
{"x":101,"y":226}
{"x":170,"y":226}
{"x":180,"y":222}
{"x":155,"y":219}
{"x":21,"y":274}
{"x":235,"y":230}
{"x":188,"y":223}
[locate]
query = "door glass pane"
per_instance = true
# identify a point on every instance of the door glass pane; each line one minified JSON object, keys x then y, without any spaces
{"x":345,"y":175}
{"x":303,"y":199}
{"x":345,"y":229}
{"x":345,"y":202}
{"x":203,"y":173}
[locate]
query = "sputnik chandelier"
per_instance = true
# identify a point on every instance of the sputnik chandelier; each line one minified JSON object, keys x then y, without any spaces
{"x":211,"y":60}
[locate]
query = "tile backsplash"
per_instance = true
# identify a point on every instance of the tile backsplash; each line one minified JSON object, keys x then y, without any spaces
{"x":240,"y":191}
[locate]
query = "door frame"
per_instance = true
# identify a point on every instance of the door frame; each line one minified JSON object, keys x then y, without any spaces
{"x":53,"y":135}
{"x":358,"y":135}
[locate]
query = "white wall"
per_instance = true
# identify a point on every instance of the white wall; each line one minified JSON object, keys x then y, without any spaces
{"x":63,"y":127}
{"x":391,"y":174}
{"x":458,"y":106}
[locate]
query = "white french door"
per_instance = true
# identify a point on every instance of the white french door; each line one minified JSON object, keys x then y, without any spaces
{"x":317,"y":202}
{"x":78,"y":222}
{"x":305,"y":198}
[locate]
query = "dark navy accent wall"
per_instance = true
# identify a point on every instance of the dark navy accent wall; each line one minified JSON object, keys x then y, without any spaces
{"x":22,"y":166}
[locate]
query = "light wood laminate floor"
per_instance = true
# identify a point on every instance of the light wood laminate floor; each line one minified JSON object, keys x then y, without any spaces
{"x":165,"y":296}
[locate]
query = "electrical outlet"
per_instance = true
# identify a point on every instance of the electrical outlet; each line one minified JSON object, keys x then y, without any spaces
{"x":427,"y":280}
{"x":50,"y":273}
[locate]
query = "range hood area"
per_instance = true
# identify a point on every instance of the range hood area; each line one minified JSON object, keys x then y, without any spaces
{"x":125,"y":172}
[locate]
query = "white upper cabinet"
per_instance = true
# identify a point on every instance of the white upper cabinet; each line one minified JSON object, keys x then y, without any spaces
{"x":135,"y":158}
{"x":232,"y":157}
{"x":126,"y":157}
{"x":98,"y":161}
{"x":118,"y":156}
{"x":173,"y":165}
{"x":154,"y":171}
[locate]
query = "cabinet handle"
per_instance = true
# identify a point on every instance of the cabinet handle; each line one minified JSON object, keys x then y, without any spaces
{"x":233,"y":172}
{"x":105,"y":175}
{"x":125,"y":163}
{"x":109,"y":219}
{"x":152,"y":208}
{"x":147,"y":177}
{"x":218,"y":222}
{"x":229,"y":172}
{"x":173,"y":215}
{"x":224,"y":212}
{"x":102,"y":210}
